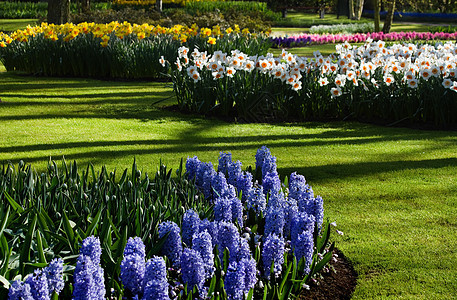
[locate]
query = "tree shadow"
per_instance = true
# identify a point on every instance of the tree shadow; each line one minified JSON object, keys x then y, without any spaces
{"x":328,"y":172}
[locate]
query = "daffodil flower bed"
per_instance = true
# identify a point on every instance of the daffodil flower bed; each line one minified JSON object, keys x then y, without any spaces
{"x":115,"y":50}
{"x":371,"y":82}
{"x":243,"y":236}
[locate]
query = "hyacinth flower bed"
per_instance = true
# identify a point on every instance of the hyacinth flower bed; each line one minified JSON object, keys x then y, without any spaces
{"x":114,"y":50}
{"x":402,"y":82}
{"x":342,"y":28}
{"x":225,"y":234}
{"x":319,"y":39}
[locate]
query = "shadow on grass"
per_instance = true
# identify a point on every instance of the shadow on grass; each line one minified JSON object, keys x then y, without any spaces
{"x":110,"y":97}
{"x":190,"y":139}
{"x":360,"y":169}
{"x":320,"y":173}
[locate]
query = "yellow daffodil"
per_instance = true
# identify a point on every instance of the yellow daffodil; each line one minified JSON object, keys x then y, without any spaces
{"x":141,"y":35}
{"x":212,"y":41}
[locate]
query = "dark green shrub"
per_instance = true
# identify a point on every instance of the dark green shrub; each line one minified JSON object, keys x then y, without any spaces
{"x":37,"y":10}
{"x":128,"y":14}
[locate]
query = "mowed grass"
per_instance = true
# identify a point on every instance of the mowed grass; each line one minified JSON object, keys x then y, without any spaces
{"x":392,"y":191}
{"x":325,"y":50}
{"x":15,"y":24}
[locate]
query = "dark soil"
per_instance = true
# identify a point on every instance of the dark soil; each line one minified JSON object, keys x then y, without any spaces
{"x":334,"y":285}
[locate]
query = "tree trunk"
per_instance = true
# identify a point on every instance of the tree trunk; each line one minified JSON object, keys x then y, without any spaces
{"x":358,"y":9}
{"x":58,"y":11}
{"x":351,"y":9}
{"x":159,"y":6}
{"x":389,"y":17}
{"x":376,"y":16}
{"x":85,"y":6}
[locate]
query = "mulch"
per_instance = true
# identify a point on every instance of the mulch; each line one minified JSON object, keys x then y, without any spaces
{"x":335,"y":285}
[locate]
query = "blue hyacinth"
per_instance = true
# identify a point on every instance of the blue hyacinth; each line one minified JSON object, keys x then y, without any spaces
{"x":172,"y":248}
{"x":192,"y":165}
{"x":244,"y":184}
{"x":91,"y":247}
{"x":262,"y":152}
{"x":297,"y":185}
{"x":190,"y":226}
{"x":192,"y":268}
{"x":201,"y":170}
{"x":276,"y":200}
{"x":271,"y":183}
{"x":202,"y":243}
{"x":250,"y":273}
{"x":212,"y":229}
{"x":225,"y":159}
{"x":274,"y":221}
{"x":237,"y":210}
{"x":300,"y":191}
{"x":234,"y":170}
{"x":135,"y":246}
{"x":290,"y":210}
{"x":41,"y":284}
{"x":223,"y":210}
{"x":304,"y":249}
{"x":302,"y":222}
{"x":20,"y":291}
{"x":54,"y":276}
{"x":315,"y":207}
{"x":207,"y":186}
{"x":132,"y":273}
{"x":273,"y":253}
{"x":269,"y":165}
{"x":155,"y":280}
{"x":38,"y":285}
{"x":155,"y":269}
{"x":219,"y":185}
{"x":234,"y":281}
{"x":230,"y":192}
{"x":88,"y":280}
{"x":228,"y":237}
{"x":256,"y":200}
{"x":133,"y":265}
{"x":244,"y":251}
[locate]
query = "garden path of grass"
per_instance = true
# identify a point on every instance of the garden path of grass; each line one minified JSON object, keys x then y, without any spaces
{"x":392,"y":191}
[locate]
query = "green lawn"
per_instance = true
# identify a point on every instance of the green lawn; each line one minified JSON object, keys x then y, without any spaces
{"x":308,"y":51}
{"x":392,"y":191}
{"x":299,"y":19}
{"x":15,"y":24}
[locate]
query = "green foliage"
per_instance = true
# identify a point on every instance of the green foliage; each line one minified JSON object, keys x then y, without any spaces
{"x":255,"y":21}
{"x":300,"y":19}
{"x":47,"y":215}
{"x":36,"y":10}
{"x":447,"y":29}
{"x":128,"y":14}
{"x":229,"y":8}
